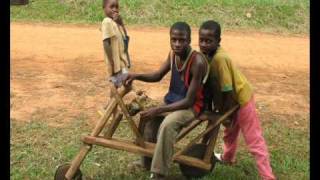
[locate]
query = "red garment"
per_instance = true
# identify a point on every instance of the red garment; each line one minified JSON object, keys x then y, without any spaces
{"x":199,"y":104}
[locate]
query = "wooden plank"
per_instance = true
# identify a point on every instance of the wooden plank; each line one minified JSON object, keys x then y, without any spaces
{"x":219,"y":120}
{"x":113,"y":126}
{"x":130,"y":146}
{"x":191,"y":161}
{"x":208,"y":154}
{"x":103,"y":120}
{"x":125,"y":111}
{"x":77,"y":161}
{"x":120,"y":145}
{"x":110,"y":108}
{"x":19,"y":2}
{"x":187,"y":129}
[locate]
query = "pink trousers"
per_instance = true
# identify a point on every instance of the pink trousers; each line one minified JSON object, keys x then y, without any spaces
{"x":246,"y":120}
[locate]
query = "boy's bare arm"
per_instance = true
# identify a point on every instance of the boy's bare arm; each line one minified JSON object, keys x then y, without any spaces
{"x":108,"y":50}
{"x":198,"y":72}
{"x":150,"y":77}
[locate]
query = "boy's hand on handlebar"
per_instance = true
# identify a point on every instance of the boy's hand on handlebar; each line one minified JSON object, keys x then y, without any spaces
{"x":129,"y":79}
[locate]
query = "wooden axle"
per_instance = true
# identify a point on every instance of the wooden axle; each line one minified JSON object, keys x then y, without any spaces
{"x":191,"y":161}
{"x":148,"y":150}
{"x":120,"y":144}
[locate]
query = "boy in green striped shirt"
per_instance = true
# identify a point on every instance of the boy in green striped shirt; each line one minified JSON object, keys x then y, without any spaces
{"x":229,"y":88}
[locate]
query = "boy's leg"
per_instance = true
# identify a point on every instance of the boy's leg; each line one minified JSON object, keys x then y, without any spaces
{"x":252,"y":132}
{"x":150,"y":135}
{"x":150,"y":131}
{"x":230,"y":139}
{"x":167,"y":134}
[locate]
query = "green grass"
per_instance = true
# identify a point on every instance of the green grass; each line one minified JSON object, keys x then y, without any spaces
{"x":288,"y":16}
{"x":37,"y":149}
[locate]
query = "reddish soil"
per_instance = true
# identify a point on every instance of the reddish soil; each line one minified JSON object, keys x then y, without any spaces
{"x":58,"y":72}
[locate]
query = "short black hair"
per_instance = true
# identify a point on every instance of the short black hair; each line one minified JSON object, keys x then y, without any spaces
{"x":182,"y":26}
{"x":214,"y":26}
{"x":104,"y":2}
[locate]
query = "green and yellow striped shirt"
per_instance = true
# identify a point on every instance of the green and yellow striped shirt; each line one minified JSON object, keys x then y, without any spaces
{"x":224,"y":76}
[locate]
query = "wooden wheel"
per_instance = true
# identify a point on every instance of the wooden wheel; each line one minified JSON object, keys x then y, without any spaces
{"x":62,"y":170}
{"x":197,"y":151}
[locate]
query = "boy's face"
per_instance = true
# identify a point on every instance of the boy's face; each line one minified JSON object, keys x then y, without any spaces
{"x":207,"y":41}
{"x":179,"y":41}
{"x":111,"y":8}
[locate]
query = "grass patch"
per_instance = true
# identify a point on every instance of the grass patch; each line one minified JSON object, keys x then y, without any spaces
{"x":37,"y":149}
{"x":266,"y":15}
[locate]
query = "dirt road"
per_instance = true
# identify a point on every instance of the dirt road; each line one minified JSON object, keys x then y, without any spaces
{"x":58,"y":72}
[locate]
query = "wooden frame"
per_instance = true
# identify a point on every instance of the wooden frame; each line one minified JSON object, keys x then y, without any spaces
{"x":19,"y":2}
{"x":139,"y":146}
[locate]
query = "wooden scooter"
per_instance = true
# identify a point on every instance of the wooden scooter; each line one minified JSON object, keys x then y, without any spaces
{"x":195,"y":160}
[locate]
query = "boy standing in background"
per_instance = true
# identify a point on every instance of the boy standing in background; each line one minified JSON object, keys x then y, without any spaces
{"x":115,"y":42}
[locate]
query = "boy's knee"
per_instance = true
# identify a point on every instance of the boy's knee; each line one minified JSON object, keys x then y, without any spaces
{"x":167,"y":125}
{"x":175,"y":120}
